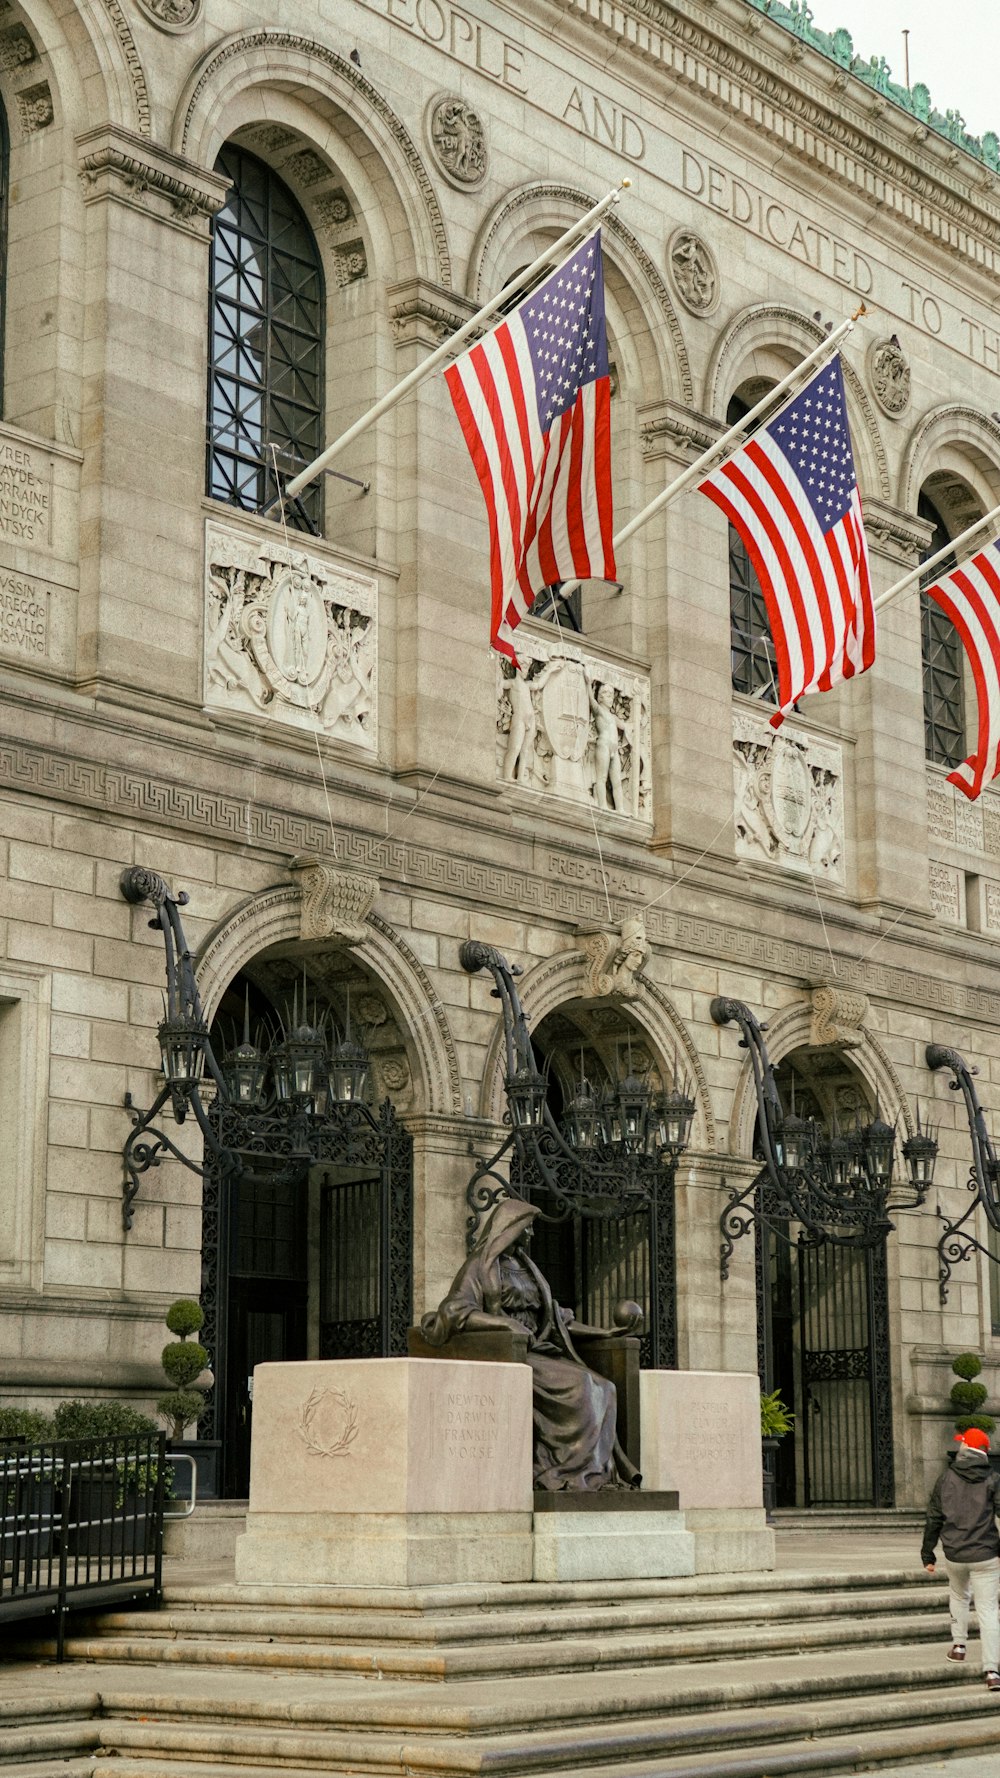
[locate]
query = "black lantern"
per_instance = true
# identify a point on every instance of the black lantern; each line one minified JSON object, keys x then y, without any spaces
{"x":182,"y":1050}
{"x":349,"y":1069}
{"x":626,"y":1115}
{"x":674,"y":1115}
{"x":526,"y":1093}
{"x":835,"y":1188}
{"x":581,"y":1124}
{"x":299,"y":1065}
{"x":793,"y":1143}
{"x":245,"y":1071}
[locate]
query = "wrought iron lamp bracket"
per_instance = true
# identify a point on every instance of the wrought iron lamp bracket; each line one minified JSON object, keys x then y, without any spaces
{"x":956,"y":1243}
{"x":573,"y":1183}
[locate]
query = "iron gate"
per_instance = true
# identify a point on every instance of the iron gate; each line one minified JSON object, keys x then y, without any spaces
{"x":846,"y":1395}
{"x":823,"y":1341}
{"x":594,"y":1261}
{"x":254,"y":1277}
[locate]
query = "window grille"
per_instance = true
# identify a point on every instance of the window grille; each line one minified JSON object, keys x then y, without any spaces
{"x":941,"y":652}
{"x":752,"y":650}
{"x":265,"y":341}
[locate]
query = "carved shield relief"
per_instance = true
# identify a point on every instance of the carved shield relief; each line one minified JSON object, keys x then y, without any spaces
{"x":566,"y":712}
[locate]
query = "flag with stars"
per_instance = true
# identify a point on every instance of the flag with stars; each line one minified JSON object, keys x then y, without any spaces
{"x":792,"y":493}
{"x":533,"y":400}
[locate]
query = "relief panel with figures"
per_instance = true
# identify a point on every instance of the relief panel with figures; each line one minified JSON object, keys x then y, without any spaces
{"x":289,"y":634}
{"x":789,"y":798}
{"x":575,"y":727}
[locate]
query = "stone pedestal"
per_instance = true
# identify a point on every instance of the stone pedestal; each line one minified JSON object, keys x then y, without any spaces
{"x":701,"y":1436}
{"x":610,"y":1536}
{"x":389,"y":1472}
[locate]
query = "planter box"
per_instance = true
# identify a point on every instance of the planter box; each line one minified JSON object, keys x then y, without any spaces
{"x":205,"y":1452}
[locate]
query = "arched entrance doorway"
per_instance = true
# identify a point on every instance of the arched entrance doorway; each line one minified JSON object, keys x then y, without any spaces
{"x":607,"y":1251}
{"x":307,"y":1243}
{"x":823,"y":1322}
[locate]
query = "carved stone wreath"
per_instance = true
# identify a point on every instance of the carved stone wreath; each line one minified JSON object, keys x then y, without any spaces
{"x":457,"y":138}
{"x":328,"y":1423}
{"x":171,"y":15}
{"x":889,"y":376}
{"x":693,"y":271}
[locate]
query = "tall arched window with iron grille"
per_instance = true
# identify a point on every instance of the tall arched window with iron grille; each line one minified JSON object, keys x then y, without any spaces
{"x":265,"y":379}
{"x":941,"y":650}
{"x":752,"y":651}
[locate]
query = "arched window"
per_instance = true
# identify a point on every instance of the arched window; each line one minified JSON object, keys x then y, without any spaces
{"x":749,"y":627}
{"x":265,"y":375}
{"x":941,"y":650}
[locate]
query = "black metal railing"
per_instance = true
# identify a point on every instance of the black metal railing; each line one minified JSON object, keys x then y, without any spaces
{"x":81,"y":1524}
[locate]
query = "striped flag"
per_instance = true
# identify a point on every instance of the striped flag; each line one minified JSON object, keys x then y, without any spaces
{"x":971,"y":598}
{"x":792,"y":493}
{"x":533,"y":401}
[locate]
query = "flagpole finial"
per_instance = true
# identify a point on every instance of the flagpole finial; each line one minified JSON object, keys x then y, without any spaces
{"x":624,"y":184}
{"x":859,"y":311}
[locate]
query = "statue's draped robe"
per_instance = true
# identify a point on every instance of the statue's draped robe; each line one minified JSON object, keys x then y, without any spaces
{"x":574,"y":1409}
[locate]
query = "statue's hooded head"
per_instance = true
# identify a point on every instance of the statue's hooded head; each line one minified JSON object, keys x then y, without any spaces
{"x":503,"y":1228}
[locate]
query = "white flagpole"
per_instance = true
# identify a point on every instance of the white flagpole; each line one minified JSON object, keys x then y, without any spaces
{"x":949,"y":549}
{"x":700,"y":464}
{"x":451,"y":345}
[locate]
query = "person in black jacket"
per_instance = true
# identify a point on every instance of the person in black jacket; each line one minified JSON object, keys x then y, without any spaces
{"x":962,"y":1512}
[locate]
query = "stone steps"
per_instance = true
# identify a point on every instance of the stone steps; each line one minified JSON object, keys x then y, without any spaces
{"x":774,"y":1732}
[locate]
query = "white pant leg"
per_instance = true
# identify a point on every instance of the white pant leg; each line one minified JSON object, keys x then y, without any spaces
{"x":959,"y":1599}
{"x":985,"y":1581}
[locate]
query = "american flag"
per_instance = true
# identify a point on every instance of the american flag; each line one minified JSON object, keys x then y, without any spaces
{"x":792,"y":493}
{"x":971,"y":598}
{"x":533,"y":400}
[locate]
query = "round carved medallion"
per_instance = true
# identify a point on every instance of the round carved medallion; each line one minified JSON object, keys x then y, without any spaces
{"x":693,"y":271}
{"x":889,"y":375}
{"x":171,"y":15}
{"x":458,"y":140}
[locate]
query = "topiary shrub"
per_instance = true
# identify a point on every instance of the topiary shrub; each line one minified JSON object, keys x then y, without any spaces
{"x":968,"y":1396}
{"x":183,"y":1361}
{"x":99,"y":1419}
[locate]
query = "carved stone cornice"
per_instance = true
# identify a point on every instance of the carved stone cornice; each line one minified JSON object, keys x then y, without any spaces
{"x":898,"y":535}
{"x":944,"y":198}
{"x":666,"y":429}
{"x":116,"y":164}
{"x":424,"y":313}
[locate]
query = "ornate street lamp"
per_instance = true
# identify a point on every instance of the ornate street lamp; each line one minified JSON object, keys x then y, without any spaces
{"x":607,"y":1151}
{"x":311,"y":1080}
{"x":838,"y":1187}
{"x":957,"y":1242}
{"x":613,"y":1157}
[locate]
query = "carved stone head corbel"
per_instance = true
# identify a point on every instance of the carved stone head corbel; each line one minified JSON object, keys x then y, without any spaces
{"x":615,"y":960}
{"x":335,"y":902}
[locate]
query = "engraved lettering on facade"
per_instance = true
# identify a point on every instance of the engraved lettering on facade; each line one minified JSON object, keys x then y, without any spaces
{"x":969,"y":825}
{"x":469,"y":1426}
{"x":476,"y":45}
{"x":775,"y":222}
{"x":24,"y":614}
{"x":946,"y":889}
{"x":940,"y":810}
{"x":25,"y":494}
{"x":605,"y":122}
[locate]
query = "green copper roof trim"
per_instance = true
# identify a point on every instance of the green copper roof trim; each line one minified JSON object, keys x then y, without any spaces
{"x":838,"y":46}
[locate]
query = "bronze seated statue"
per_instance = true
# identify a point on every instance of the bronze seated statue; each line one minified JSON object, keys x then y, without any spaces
{"x":575,"y":1409}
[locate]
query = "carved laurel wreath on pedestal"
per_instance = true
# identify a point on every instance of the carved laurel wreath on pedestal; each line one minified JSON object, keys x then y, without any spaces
{"x":311,"y":1434}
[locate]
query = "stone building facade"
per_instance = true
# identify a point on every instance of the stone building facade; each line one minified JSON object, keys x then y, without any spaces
{"x":309,"y":733}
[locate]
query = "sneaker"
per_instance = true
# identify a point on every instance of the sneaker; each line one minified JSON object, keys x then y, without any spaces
{"x":993,"y":1681}
{"x":956,"y":1652}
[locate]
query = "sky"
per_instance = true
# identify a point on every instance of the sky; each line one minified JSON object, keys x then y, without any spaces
{"x":953,"y":49}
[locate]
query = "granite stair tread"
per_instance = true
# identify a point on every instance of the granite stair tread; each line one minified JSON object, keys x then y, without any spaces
{"x":770,"y":1738}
